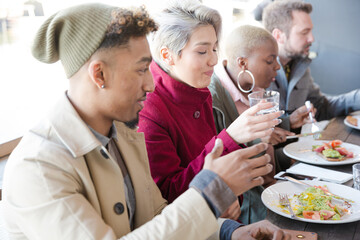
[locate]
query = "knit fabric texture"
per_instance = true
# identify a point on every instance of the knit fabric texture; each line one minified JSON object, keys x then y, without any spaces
{"x":72,"y":35}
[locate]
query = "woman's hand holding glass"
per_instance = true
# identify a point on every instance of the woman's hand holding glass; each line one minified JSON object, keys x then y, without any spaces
{"x":249,"y":126}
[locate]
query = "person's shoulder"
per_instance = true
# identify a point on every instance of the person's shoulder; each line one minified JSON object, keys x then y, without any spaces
{"x":156,"y":109}
{"x":215,"y":82}
{"x":39,"y":145}
{"x":215,"y":87}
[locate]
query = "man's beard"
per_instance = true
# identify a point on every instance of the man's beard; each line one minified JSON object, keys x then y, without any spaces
{"x":292,"y":54}
{"x":133,"y":123}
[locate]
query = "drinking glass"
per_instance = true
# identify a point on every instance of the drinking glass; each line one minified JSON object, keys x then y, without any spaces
{"x":268,"y":96}
{"x":356,"y":175}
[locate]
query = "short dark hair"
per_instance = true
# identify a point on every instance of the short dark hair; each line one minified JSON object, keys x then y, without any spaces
{"x":127,"y":23}
{"x":278,"y":14}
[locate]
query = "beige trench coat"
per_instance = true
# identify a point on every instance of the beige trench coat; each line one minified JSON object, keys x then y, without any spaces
{"x":61,"y":183}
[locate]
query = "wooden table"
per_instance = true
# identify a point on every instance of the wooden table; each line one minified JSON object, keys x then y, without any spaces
{"x":335,"y":130}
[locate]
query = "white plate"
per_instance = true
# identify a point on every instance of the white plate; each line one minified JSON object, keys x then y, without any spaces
{"x":302,"y":151}
{"x":270,"y":198}
{"x":353,"y":126}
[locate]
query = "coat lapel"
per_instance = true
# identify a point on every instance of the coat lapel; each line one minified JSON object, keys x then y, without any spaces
{"x":280,"y":85}
{"x":133,"y":150}
{"x":104,"y":171}
{"x":100,"y":173}
{"x":298,"y":69}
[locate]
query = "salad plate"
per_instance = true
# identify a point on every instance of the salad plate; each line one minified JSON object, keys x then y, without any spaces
{"x":270,"y":198}
{"x":302,"y":151}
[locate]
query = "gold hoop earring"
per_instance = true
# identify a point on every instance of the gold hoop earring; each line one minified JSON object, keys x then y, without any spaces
{"x":253,"y":81}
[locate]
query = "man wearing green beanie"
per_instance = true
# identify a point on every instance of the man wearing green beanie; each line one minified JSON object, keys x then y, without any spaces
{"x":83,"y":172}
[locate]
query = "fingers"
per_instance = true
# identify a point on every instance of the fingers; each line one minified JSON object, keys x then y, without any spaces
{"x":259,"y":167}
{"x":262,"y":170}
{"x":279,"y":135}
{"x":265,"y":117}
{"x":250,"y":151}
{"x":258,"y":107}
{"x":217,"y":149}
{"x":312,"y":110}
{"x":264,"y":129}
{"x":281,"y":235}
{"x":267,"y":230}
{"x":283,"y":132}
{"x":302,"y":110}
{"x":233,"y":212}
{"x":274,"y":140}
{"x":258,"y":181}
{"x":261,"y":134}
{"x":215,"y":153}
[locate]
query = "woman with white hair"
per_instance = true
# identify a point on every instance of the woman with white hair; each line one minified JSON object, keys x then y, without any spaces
{"x":177,"y":117}
{"x":250,"y":65}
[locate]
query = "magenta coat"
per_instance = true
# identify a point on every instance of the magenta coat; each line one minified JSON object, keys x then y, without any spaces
{"x":179,"y":129}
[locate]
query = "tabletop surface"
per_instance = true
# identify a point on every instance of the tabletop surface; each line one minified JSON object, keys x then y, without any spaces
{"x":335,"y":130}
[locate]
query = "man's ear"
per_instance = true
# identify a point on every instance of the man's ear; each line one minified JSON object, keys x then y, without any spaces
{"x":242,"y":63}
{"x":279,"y":35}
{"x":96,"y":74}
{"x":166,"y":56}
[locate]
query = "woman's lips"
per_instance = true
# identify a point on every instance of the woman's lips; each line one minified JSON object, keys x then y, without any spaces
{"x":209,"y":73}
{"x":141,"y":102}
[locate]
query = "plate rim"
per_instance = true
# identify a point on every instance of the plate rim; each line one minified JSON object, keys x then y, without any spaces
{"x":325,"y":163}
{"x":314,"y":182}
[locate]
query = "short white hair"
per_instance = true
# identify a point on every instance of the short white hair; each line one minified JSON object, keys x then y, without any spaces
{"x":243,"y":40}
{"x":176,"y":23}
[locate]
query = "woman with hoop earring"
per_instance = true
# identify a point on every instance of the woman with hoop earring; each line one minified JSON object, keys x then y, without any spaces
{"x":250,"y":65}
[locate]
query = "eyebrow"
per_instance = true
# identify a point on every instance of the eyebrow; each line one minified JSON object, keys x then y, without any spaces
{"x":205,"y":43}
{"x":145,"y":59}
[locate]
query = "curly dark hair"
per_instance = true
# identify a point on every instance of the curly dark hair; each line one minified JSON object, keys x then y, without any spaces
{"x":127,"y":23}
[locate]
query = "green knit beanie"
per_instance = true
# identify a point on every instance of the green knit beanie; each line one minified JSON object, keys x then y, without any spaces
{"x":72,"y":35}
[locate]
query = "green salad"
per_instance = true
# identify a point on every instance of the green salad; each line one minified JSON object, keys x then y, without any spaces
{"x":314,"y":204}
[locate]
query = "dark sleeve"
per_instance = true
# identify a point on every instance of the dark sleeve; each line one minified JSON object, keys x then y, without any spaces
{"x":227,"y":229}
{"x":218,"y":196}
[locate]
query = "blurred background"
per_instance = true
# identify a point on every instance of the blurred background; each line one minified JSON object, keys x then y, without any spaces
{"x":29,"y":88}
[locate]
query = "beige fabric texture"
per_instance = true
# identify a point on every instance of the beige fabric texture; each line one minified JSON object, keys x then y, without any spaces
{"x":58,"y":185}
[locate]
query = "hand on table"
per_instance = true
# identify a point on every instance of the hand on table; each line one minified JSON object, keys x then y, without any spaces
{"x":236,"y":169}
{"x":233,"y":212}
{"x":277,"y":136}
{"x":261,"y":230}
{"x":249,"y":126}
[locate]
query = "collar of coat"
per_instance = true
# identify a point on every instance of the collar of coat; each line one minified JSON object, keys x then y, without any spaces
{"x":80,"y":140}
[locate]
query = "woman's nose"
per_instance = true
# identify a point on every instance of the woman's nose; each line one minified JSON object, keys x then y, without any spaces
{"x":213,"y":59}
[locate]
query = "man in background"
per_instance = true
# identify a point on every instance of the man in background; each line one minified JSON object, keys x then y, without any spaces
{"x":290,"y":24}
